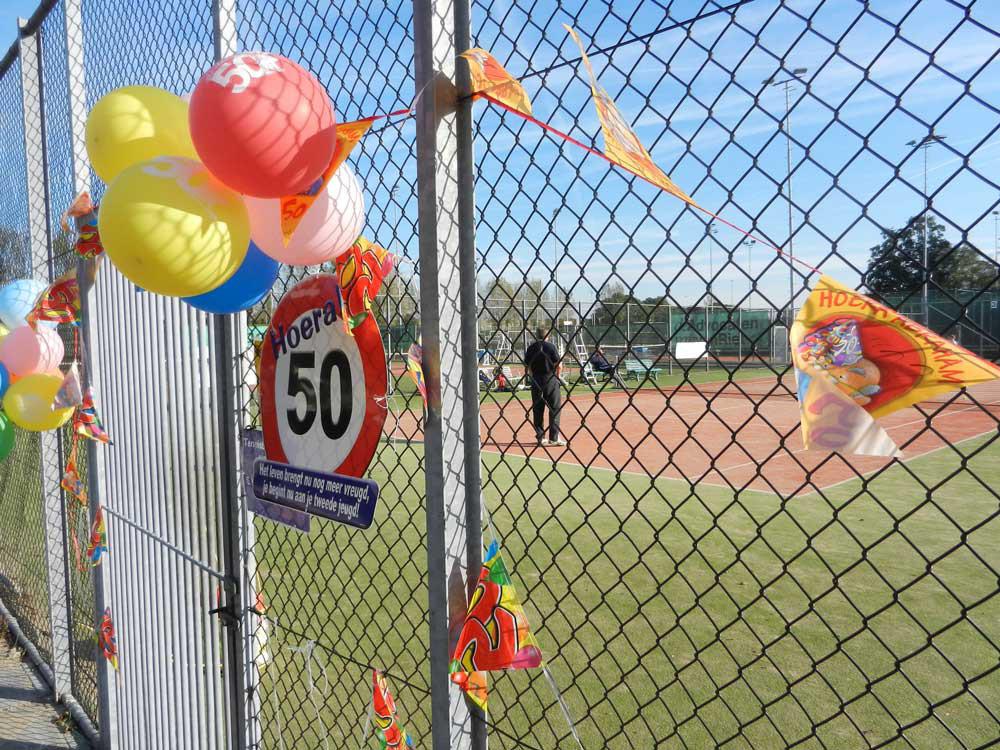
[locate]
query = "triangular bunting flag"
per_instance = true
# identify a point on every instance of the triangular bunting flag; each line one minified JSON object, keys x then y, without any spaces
{"x":360,"y":272}
{"x":393,"y":735}
{"x":415,"y":367}
{"x":857,"y":360}
{"x":294,"y":207}
{"x":98,"y":539}
{"x":60,"y":303}
{"x":71,"y":481}
{"x":496,"y":635}
{"x":490,"y":77}
{"x":106,"y":639}
{"x":621,"y":144}
{"x":69,"y":393}
{"x":84,"y":214}
{"x":86,"y":422}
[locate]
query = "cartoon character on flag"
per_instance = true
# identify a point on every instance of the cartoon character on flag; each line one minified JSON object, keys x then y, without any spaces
{"x":107,"y":640}
{"x":360,"y":272}
{"x":60,"y":303}
{"x":86,"y":422}
{"x":496,"y":634}
{"x":621,"y":144}
{"x":490,"y":77}
{"x":393,"y":736}
{"x":857,"y":360}
{"x":415,"y":367}
{"x":294,"y":207}
{"x":98,"y":539}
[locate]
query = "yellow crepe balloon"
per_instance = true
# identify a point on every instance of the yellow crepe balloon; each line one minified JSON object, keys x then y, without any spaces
{"x":3,"y":331}
{"x":28,"y":403}
{"x":171,"y":228}
{"x":134,"y":124}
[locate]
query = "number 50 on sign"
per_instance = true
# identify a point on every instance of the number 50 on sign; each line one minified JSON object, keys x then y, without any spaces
{"x":322,"y":389}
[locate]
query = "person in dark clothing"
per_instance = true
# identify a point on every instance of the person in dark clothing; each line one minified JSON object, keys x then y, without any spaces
{"x":541,"y":361}
{"x":600,"y":362}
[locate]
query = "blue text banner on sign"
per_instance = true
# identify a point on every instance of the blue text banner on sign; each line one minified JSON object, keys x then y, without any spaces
{"x":253,"y":449}
{"x":344,"y":499}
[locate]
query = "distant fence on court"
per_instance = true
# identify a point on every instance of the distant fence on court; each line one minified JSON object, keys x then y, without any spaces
{"x":693,"y":576}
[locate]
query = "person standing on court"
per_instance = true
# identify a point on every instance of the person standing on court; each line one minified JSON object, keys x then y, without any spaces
{"x":541,"y":360}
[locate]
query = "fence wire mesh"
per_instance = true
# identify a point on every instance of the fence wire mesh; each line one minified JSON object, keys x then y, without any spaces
{"x":697,"y":580}
{"x":694,"y":578}
{"x":23,"y":578}
{"x":338,"y":603}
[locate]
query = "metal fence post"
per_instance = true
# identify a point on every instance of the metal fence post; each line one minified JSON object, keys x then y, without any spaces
{"x":446,"y":223}
{"x":230,"y":333}
{"x":96,"y":469}
{"x":41,"y":265}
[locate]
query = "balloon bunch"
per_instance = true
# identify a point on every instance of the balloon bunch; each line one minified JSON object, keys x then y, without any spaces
{"x":196,"y":191}
{"x":29,"y":365}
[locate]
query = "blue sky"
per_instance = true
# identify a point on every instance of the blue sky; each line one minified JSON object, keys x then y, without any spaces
{"x":695,"y":96}
{"x":10,"y":10}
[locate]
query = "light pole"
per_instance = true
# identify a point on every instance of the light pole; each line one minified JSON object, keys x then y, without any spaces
{"x":748,"y":243}
{"x":996,"y":236}
{"x":925,"y":143}
{"x":787,"y":84}
{"x":713,"y":230}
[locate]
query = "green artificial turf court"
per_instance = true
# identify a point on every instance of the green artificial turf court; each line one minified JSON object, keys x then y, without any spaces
{"x":670,"y":616}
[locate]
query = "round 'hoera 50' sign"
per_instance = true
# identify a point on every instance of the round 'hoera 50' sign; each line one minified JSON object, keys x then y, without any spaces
{"x":320,"y":386}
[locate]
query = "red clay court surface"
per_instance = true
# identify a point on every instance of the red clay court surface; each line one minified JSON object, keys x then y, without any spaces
{"x":727,"y":439}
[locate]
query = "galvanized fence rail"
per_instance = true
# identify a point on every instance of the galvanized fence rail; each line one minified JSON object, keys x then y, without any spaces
{"x":682,"y":598}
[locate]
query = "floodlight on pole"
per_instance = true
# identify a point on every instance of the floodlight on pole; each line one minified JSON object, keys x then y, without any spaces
{"x":925,"y":143}
{"x":796,"y":76}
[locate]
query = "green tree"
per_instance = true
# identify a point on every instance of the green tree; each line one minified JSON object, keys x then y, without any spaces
{"x":896,"y":264}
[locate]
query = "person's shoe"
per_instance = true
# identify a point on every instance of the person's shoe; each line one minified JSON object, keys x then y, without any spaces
{"x":558,"y":442}
{"x":542,"y":442}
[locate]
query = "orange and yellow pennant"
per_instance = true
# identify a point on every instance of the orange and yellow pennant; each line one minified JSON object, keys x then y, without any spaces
{"x":294,"y":207}
{"x":490,"y":77}
{"x":60,"y":303}
{"x":621,"y":144}
{"x":393,"y":736}
{"x":496,"y":635}
{"x":360,"y":272}
{"x":857,"y":360}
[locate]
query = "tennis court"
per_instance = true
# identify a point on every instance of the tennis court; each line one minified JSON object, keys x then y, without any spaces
{"x":738,"y":434}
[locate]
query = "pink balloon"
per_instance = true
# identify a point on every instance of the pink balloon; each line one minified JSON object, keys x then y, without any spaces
{"x":328,"y":228}
{"x":25,"y":351}
{"x":263,"y":125}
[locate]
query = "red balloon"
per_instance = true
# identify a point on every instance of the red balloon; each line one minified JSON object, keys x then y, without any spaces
{"x":262,"y":125}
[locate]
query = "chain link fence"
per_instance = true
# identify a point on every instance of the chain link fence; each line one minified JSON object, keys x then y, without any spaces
{"x":336,"y":602}
{"x":694,"y":578}
{"x":697,"y":580}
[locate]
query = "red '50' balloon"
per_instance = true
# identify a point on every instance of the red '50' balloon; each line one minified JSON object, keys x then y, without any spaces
{"x":263,"y":125}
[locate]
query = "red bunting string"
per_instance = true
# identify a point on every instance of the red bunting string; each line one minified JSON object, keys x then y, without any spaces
{"x":590,"y":149}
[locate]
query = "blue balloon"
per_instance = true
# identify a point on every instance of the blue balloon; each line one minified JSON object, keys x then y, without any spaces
{"x":4,"y":380}
{"x":244,"y":289}
{"x":17,"y":300}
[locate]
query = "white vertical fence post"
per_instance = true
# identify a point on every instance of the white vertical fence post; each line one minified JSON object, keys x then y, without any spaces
{"x":41,"y":268}
{"x":448,"y":325}
{"x":237,"y":528}
{"x":77,"y":84}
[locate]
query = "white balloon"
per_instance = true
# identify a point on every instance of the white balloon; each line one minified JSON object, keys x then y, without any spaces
{"x":327,"y":230}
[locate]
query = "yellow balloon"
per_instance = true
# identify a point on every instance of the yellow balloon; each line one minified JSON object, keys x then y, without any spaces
{"x":28,"y":403}
{"x":171,"y":228}
{"x":136,"y":123}
{"x":3,"y":331}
